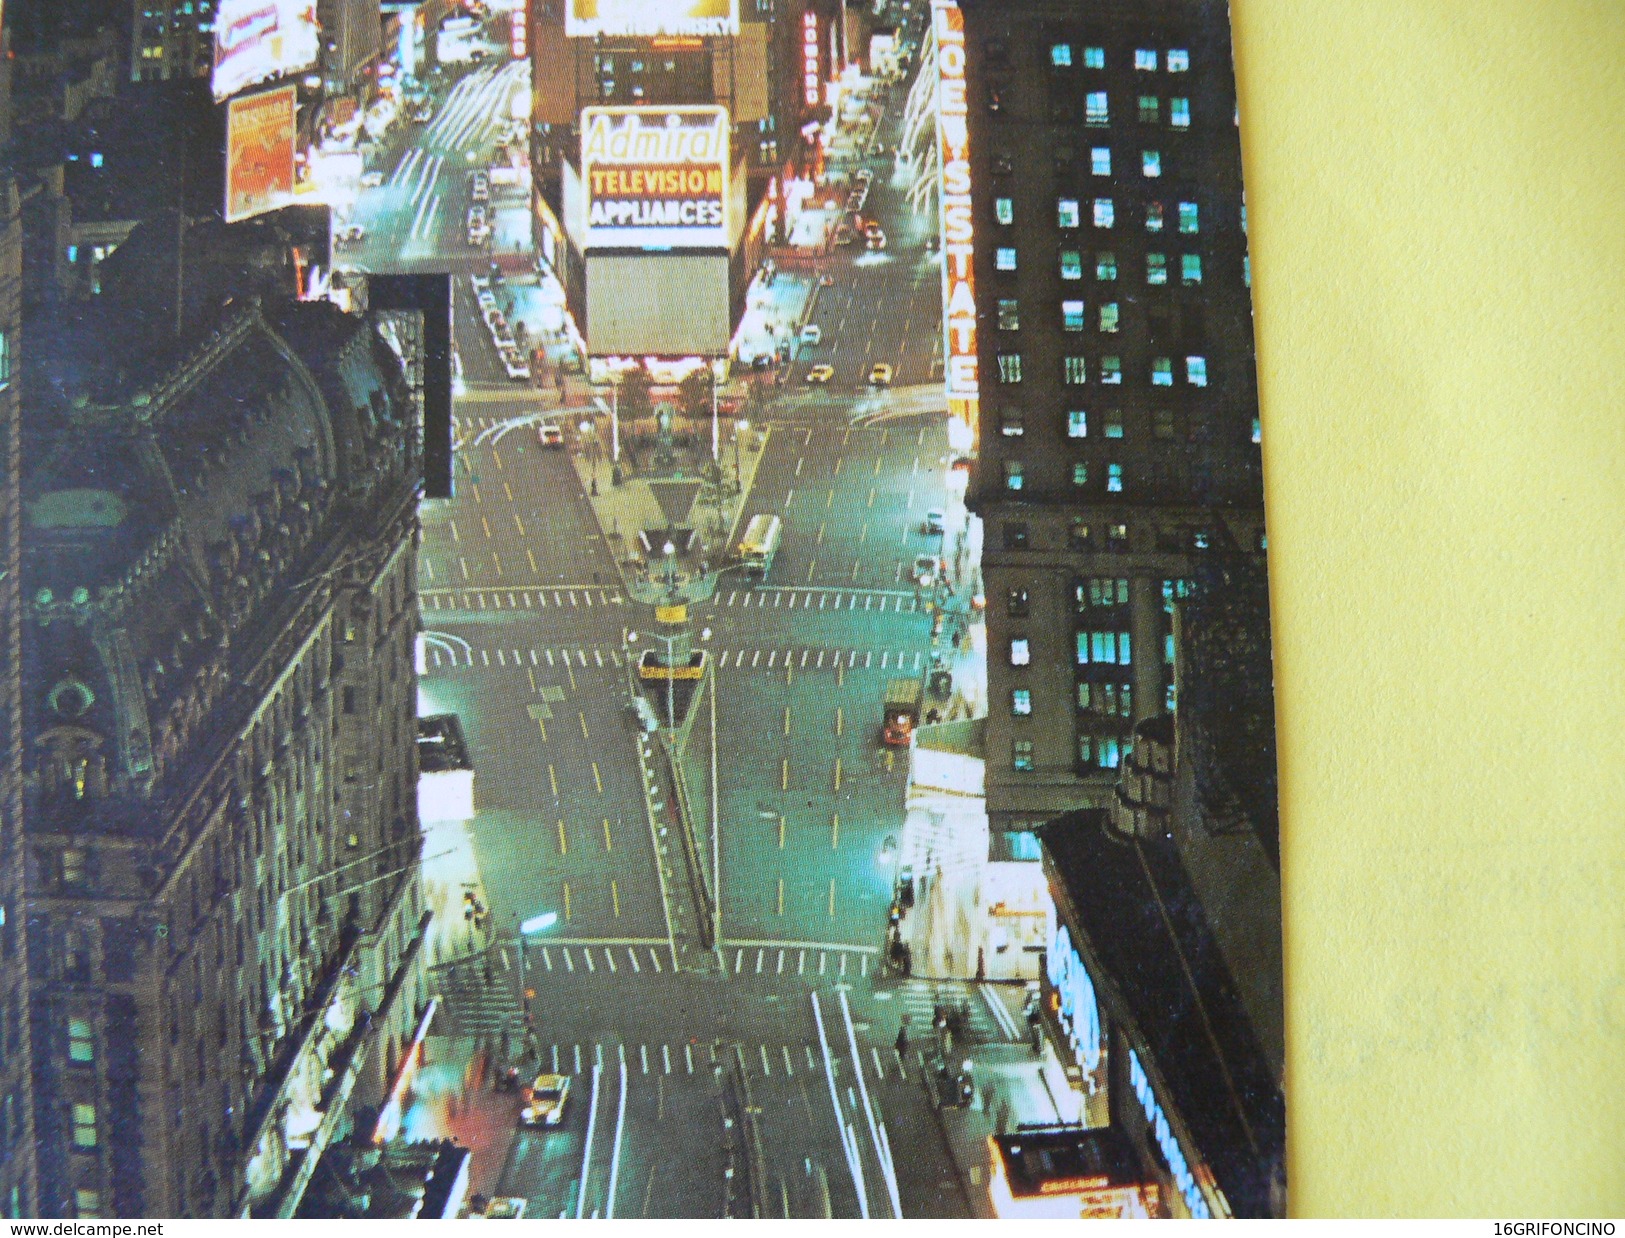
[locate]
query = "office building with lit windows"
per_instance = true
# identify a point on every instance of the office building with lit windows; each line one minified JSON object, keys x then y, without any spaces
{"x":1118,"y":433}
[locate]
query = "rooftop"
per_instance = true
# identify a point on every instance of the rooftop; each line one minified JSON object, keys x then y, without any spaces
{"x":1052,"y":1162}
{"x":441,"y":746}
{"x":1136,"y":908}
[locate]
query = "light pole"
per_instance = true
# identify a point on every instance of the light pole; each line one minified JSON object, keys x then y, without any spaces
{"x":591,"y":441}
{"x":714,"y":444}
{"x":740,"y":427}
{"x":536,"y":924}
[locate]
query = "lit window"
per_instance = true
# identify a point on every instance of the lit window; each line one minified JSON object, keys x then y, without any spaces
{"x":1247,"y":270}
{"x":1111,"y":370}
{"x":87,"y":1203}
{"x":1114,"y":425}
{"x":1021,"y":702}
{"x":1009,"y":367}
{"x":1078,"y":536}
{"x":1060,"y":55}
{"x":1072,"y":315}
{"x":1013,"y":475}
{"x":1016,"y":602}
{"x":1094,"y":108}
{"x":1201,"y":539}
{"x":1094,"y":57}
{"x":1009,"y":314}
{"x":1244,"y":217}
{"x":81,"y":1046}
{"x":1190,"y":268}
{"x":1004,"y":210}
{"x":1071,"y":264}
{"x":1012,"y":425}
{"x":1145,"y":59}
{"x":1162,"y":372}
{"x":1077,"y":371}
{"x":96,"y":159}
{"x":1114,"y":478}
{"x":1196,"y":371}
{"x":1077,"y":424}
{"x":1105,"y":265}
{"x":1171,"y":699}
{"x":1107,"y":753}
{"x":1189,"y":220}
{"x":84,"y":1126}
{"x":1080,"y":474}
{"x":1021,"y":754}
{"x":1117,"y":537}
{"x":1179,"y":113}
{"x":1179,"y":60}
{"x":1108,"y":316}
{"x":73,"y":867}
{"x":1258,"y":430}
{"x":1086,"y":743}
{"x":1100,"y":160}
{"x":1020,"y":653}
{"x":1153,"y":216}
{"x":1156,"y":269}
{"x":1168,"y":649}
{"x":1148,"y":109}
{"x":1066,"y":212}
{"x":1004,"y":258}
{"x":1105,"y":215}
{"x":5,"y":359}
{"x":1151,"y":162}
{"x":1083,"y":649}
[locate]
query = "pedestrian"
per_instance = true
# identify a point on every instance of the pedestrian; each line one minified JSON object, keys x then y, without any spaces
{"x":901,"y":1044}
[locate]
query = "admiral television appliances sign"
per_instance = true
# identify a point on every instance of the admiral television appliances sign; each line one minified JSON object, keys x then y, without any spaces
{"x":656,"y":178}
{"x":704,"y":18}
{"x":257,"y":40}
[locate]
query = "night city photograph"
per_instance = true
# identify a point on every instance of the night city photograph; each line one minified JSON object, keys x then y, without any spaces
{"x":633,"y":609}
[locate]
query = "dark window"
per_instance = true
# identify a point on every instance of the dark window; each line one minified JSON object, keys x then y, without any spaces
{"x":1015,"y":535}
{"x":1016,"y":603}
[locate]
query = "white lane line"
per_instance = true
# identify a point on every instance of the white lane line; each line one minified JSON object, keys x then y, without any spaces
{"x":643,"y":1057}
{"x":722,"y":662}
{"x":882,"y":1149}
{"x":665,"y":1057}
{"x":1001,"y":1015}
{"x":555,"y":1059}
{"x":688,"y":1057}
{"x":586,"y":1151}
{"x":767,"y":1067}
{"x":760,"y":955}
{"x":880,"y":1070}
{"x":771,"y":657}
{"x":780,"y":970}
{"x":848,"y":1141}
{"x":576,"y":1050}
{"x":655,"y":959}
{"x":569,"y":963}
{"x":615,"y":1155}
{"x":739,"y":960}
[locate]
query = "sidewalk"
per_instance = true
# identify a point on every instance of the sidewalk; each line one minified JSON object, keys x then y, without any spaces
{"x":452,"y":1098}
{"x":1013,"y":1087}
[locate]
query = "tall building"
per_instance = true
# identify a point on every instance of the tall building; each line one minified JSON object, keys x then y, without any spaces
{"x":1117,"y":433}
{"x":16,"y":1104}
{"x":171,"y":39}
{"x":611,"y":219}
{"x":219,"y":741}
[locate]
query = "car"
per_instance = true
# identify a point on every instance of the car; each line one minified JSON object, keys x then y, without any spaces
{"x":545,"y":1100}
{"x":865,"y":175}
{"x":880,"y":375}
{"x":482,"y":283}
{"x":844,"y":236}
{"x":493,"y":318}
{"x":487,"y":303}
{"x":516,"y":366}
{"x":373,"y":179}
{"x":480,"y":187}
{"x":423,"y":113}
{"x":820,"y":374}
{"x":935,"y":520}
{"x":350,"y":234}
{"x":551,"y":436}
{"x":503,"y":338}
{"x":875,"y":240}
{"x":826,"y":281}
{"x":925,"y":570}
{"x":812,"y":333}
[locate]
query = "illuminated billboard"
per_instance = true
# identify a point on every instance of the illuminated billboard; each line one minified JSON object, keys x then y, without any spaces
{"x":658,"y":305}
{"x":256,"y":40}
{"x":655,"y":178}
{"x":953,"y":197}
{"x":590,"y":18}
{"x":259,"y":153}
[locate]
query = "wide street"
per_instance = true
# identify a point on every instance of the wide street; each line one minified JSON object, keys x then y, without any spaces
{"x":770,"y":1062}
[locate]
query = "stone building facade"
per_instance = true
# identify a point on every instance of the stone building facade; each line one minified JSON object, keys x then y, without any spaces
{"x":219,"y":700}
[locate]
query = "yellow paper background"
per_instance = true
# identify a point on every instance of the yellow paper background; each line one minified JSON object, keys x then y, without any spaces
{"x":1437,"y":211}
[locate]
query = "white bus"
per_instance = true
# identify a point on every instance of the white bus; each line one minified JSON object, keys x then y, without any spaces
{"x":760,"y":544}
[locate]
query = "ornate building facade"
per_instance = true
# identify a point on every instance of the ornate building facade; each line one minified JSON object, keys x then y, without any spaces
{"x":16,"y":1126}
{"x":219,"y":597}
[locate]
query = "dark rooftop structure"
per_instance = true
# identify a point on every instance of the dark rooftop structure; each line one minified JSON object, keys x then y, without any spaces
{"x":1165,"y":983}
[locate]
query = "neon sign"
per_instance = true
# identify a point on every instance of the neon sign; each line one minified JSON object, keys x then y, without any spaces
{"x":954,"y":207}
{"x":809,"y":57}
{"x":1184,"y":1180}
{"x":1080,"y":1014}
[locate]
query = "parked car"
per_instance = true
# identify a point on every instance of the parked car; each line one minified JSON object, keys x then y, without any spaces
{"x":935,"y":520}
{"x":545,"y":1101}
{"x":875,"y":236}
{"x":480,"y":186}
{"x":925,"y":570}
{"x":820,"y":374}
{"x":880,"y":375}
{"x":372,"y":179}
{"x":350,"y":234}
{"x":517,"y":367}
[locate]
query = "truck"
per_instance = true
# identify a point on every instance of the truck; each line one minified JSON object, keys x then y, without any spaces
{"x":902,"y":711}
{"x":760,"y":544}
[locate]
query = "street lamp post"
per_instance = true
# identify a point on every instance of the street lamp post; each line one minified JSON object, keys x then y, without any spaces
{"x":714,"y":444}
{"x":740,"y":427}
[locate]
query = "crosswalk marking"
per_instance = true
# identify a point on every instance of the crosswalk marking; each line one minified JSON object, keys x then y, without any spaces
{"x":633,"y":955}
{"x":665,"y":1056}
{"x":602,"y":658}
{"x":654,"y":958}
{"x":547,"y":958}
{"x":643,"y":1057}
{"x":569,"y":963}
{"x":688,"y":1056}
{"x":788,"y":1069}
{"x":577,"y":1048}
